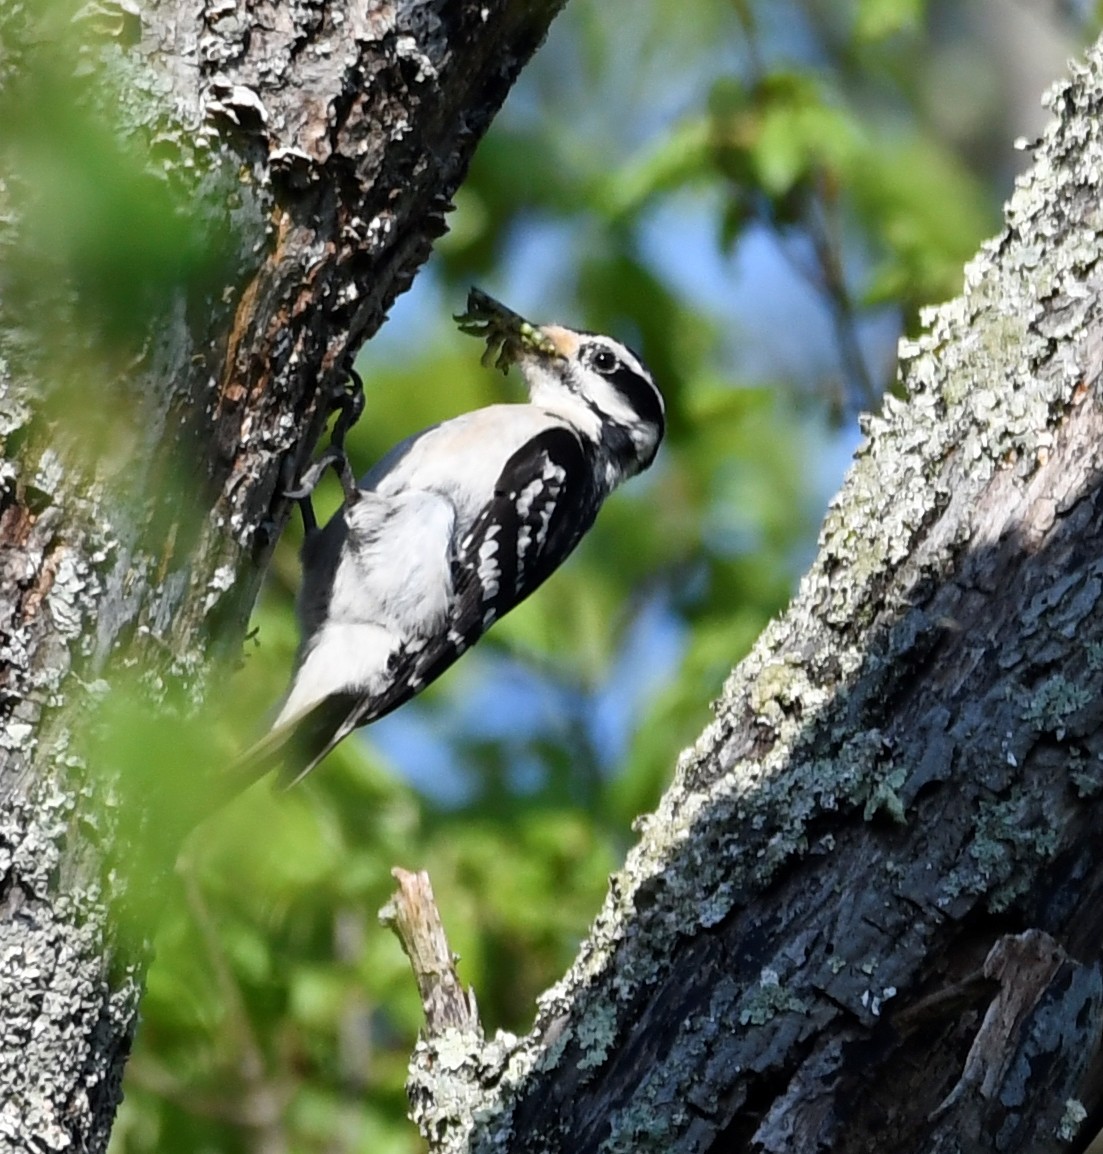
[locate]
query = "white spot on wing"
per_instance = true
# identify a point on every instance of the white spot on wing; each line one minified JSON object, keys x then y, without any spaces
{"x":529,"y":494}
{"x":542,"y":492}
{"x":489,"y":569}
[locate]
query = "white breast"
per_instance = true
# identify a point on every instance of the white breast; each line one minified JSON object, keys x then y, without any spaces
{"x":395,"y":569}
{"x":392,"y":585}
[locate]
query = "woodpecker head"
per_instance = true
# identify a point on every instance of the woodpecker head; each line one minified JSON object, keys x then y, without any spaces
{"x":598,"y":384}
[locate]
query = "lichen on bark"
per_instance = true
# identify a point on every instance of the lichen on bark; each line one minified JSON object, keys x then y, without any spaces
{"x":895,"y":779}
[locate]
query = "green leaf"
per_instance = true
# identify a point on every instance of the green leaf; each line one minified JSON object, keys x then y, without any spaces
{"x":879,"y":19}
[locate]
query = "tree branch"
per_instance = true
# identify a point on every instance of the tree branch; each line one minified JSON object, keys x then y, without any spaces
{"x":901,"y":789}
{"x":413,"y":916}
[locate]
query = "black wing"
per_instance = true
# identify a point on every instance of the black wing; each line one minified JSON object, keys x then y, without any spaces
{"x":543,"y":504}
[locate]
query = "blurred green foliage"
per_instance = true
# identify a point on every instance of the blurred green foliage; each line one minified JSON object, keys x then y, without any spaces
{"x":759,"y":196}
{"x":100,"y":229}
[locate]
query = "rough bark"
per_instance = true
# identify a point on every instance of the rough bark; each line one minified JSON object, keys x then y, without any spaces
{"x":317,"y":143}
{"x":867,"y":915}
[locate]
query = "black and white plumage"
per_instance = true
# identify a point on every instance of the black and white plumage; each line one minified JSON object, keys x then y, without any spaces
{"x":457,"y":525}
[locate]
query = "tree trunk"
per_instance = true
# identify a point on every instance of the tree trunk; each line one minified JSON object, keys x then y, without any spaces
{"x":867,"y":915}
{"x":316,"y":148}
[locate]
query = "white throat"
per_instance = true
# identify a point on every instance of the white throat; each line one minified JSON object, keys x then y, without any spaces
{"x":549,"y":391}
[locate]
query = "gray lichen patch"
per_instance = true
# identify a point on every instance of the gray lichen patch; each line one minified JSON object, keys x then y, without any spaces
{"x":52,"y":971}
{"x":449,"y":1079}
{"x":769,"y":999}
{"x":1006,"y":829}
{"x":1052,"y":704}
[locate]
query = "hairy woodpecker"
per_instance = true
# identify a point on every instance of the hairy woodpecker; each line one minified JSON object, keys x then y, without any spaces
{"x":457,"y":525}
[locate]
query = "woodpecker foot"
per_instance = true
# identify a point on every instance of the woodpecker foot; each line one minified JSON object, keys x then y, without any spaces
{"x":299,"y":493}
{"x":332,"y":458}
{"x":348,"y":479}
{"x":349,"y":405}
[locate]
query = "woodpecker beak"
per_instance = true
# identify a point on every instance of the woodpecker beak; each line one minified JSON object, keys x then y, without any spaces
{"x":509,"y":337}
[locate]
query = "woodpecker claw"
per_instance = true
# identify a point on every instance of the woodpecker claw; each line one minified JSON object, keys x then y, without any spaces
{"x":333,"y":458}
{"x":308,"y":482}
{"x":350,"y":405}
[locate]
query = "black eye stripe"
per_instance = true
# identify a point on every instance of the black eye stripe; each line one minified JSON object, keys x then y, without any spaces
{"x":642,"y":396}
{"x":640,"y":393}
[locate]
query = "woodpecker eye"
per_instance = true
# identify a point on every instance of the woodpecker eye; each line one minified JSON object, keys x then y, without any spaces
{"x":604,"y":361}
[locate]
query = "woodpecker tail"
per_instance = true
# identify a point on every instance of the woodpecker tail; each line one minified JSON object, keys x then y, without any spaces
{"x":295,"y":746}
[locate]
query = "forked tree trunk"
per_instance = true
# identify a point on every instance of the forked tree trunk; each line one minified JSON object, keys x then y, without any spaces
{"x":868,"y":914}
{"x":319,"y":145}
